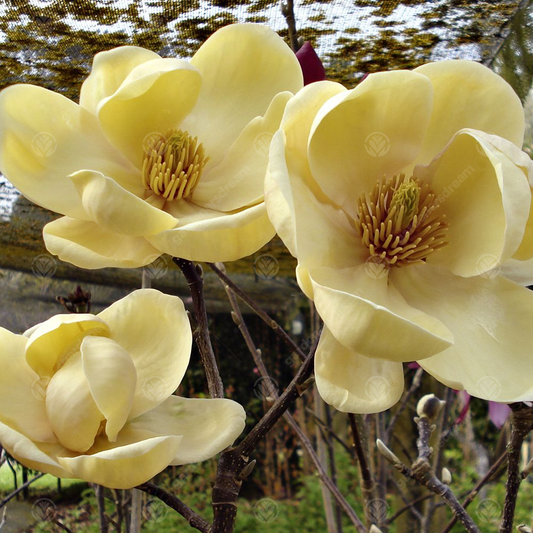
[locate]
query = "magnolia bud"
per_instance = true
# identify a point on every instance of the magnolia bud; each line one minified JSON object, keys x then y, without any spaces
{"x":374,"y":529}
{"x":446,"y":476}
{"x":522,"y":528}
{"x":387,"y":453}
{"x":429,"y":407}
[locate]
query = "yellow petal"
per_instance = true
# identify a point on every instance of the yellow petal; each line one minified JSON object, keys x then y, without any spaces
{"x":44,"y":137}
{"x":70,"y":407}
{"x":243,"y":66}
{"x":520,"y":272}
{"x":364,"y":312}
{"x":469,"y":95}
{"x":490,"y":318}
{"x":155,"y":96}
{"x":116,"y":209}
{"x":206,"y":235}
{"x":316,"y":232}
{"x":239,"y":179}
{"x":112,"y":380}
{"x":486,"y":198}
{"x":208,"y":426}
{"x":57,"y":338}
{"x":21,"y":390}
{"x":35,"y":455}
{"x":353,"y":383}
{"x":360,"y":136}
{"x":87,"y":245}
{"x":154,"y":330}
{"x":124,"y":464}
{"x":108,"y":71}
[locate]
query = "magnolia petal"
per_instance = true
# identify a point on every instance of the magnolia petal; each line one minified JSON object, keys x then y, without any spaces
{"x":109,"y":70}
{"x":299,"y":216}
{"x":469,"y":95}
{"x":520,"y":272}
{"x":44,"y":137}
{"x":206,"y":235}
{"x":486,"y":198}
{"x":35,"y":455}
{"x":87,"y":245}
{"x":126,"y":464}
{"x":364,"y":312}
{"x":155,"y":96}
{"x":112,"y":380}
{"x":21,"y":390}
{"x":353,"y":383}
{"x":239,"y":179}
{"x":57,"y":338}
{"x":208,"y":426}
{"x":117,"y":210}
{"x":359,"y":136}
{"x":243,"y":66}
{"x":154,"y":330}
{"x":490,"y":318}
{"x":71,"y":409}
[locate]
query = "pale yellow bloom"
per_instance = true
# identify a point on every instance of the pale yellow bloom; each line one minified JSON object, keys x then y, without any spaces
{"x":406,"y":200}
{"x":90,"y":397}
{"x":160,"y":156}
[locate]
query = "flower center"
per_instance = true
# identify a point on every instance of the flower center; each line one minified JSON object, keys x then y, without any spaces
{"x":173,"y":164}
{"x":399,"y":222}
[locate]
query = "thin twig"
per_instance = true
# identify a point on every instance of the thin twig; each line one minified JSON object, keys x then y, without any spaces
{"x":287,"y":8}
{"x":415,"y":384}
{"x":407,"y":507}
{"x":193,"y":519}
{"x":367,"y":482}
{"x":521,"y":422}
{"x":473,"y":493}
{"x":193,"y":274}
{"x":104,"y":526}
{"x":20,"y":489}
{"x":330,"y":432}
{"x":278,"y":330}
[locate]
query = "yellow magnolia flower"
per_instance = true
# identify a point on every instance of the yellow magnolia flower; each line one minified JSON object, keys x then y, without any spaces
{"x":405,"y":200}
{"x":160,"y":155}
{"x":90,"y":397}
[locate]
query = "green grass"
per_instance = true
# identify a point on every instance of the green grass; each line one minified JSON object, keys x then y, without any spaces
{"x":46,"y":483}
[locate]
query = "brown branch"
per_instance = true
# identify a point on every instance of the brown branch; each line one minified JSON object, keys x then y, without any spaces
{"x":410,"y":505}
{"x":287,"y":8}
{"x":473,"y":493}
{"x":100,"y":500}
{"x":278,"y":330}
{"x":367,"y":482}
{"x":193,"y":519}
{"x":193,"y":274}
{"x":20,"y":489}
{"x":521,"y":422}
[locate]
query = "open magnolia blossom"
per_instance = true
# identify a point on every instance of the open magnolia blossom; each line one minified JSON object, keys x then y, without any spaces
{"x":90,"y":397}
{"x":406,"y":201}
{"x":160,"y":155}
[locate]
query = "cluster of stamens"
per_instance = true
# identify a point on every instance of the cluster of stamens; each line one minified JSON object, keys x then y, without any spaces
{"x":173,"y":164}
{"x":399,"y":222}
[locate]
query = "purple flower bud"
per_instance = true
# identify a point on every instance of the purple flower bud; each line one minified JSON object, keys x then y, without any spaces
{"x":312,"y":67}
{"x":498,"y":413}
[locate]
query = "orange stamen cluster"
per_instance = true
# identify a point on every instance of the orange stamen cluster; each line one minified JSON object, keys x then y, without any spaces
{"x":173,"y":164}
{"x":399,"y":222}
